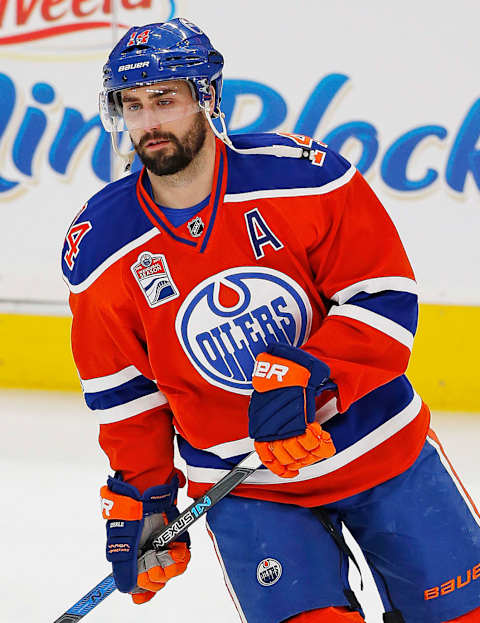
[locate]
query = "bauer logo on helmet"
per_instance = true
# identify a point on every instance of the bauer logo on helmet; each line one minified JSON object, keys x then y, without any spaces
{"x":133,"y":66}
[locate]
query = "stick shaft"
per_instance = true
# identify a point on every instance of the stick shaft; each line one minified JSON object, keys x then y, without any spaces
{"x":89,"y":601}
{"x":200,"y":506}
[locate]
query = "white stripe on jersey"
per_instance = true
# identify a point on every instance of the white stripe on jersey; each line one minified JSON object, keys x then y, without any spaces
{"x":95,"y":274}
{"x":327,"y":411}
{"x":327,"y":466}
{"x":281,"y":151}
{"x":232,"y":448}
{"x":377,"y":284}
{"x":291,"y":192}
{"x":129,"y":409}
{"x":101,"y":383}
{"x":385,"y":325}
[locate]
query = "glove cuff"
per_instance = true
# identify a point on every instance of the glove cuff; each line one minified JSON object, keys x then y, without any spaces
{"x":127,"y":502}
{"x":160,"y":498}
{"x":319,"y":371}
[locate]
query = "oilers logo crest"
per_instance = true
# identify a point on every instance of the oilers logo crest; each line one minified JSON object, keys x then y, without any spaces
{"x":269,"y":571}
{"x":229,"y":318}
{"x":152,"y":275}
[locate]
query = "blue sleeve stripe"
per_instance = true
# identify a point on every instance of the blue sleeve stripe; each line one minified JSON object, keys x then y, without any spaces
{"x":205,"y":458}
{"x":113,"y":397}
{"x":375,"y":285}
{"x":399,"y":307}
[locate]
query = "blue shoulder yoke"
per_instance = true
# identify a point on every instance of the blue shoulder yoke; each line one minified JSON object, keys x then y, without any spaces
{"x":114,"y":221}
{"x":311,"y":166}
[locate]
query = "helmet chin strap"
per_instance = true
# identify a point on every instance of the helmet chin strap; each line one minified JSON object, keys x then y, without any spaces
{"x":223,"y":136}
{"x":127,"y":157}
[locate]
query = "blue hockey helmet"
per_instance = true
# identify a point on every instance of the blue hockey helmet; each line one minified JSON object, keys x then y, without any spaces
{"x":145,"y":55}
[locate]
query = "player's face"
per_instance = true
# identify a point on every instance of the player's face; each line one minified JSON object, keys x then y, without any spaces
{"x":173,"y":130}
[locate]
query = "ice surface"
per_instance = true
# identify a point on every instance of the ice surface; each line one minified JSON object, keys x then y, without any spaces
{"x":52,"y":537}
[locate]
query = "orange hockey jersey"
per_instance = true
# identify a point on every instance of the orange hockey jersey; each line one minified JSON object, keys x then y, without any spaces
{"x":292,"y":247}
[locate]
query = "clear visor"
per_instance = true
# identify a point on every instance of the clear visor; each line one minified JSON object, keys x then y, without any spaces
{"x":145,"y":107}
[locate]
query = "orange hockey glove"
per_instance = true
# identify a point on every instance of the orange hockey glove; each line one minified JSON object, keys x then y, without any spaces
{"x":132,"y":522}
{"x":285,"y":457}
{"x":282,"y":409}
{"x":155,"y":568}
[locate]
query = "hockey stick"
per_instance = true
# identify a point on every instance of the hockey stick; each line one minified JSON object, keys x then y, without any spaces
{"x":169,"y":533}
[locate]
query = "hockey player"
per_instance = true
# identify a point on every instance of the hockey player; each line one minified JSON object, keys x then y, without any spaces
{"x":263,"y":257}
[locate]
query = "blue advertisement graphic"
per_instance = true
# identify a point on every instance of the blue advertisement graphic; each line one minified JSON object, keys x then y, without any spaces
{"x":394,"y":159}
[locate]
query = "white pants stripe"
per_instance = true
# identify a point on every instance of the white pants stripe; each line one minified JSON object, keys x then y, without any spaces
{"x":447,"y":465}
{"x":225,"y":576}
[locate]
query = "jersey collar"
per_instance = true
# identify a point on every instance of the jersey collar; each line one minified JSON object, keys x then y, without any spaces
{"x":196,"y":232}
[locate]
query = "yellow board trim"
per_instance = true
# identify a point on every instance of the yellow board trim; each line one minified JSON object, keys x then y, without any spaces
{"x":444,"y":363}
{"x":35,"y":354}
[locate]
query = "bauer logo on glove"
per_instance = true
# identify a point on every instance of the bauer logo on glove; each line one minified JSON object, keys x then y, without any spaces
{"x":281,"y":413}
{"x":269,"y":374}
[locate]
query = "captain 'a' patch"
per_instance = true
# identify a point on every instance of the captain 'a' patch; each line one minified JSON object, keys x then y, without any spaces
{"x":260,"y":234}
{"x":152,"y":275}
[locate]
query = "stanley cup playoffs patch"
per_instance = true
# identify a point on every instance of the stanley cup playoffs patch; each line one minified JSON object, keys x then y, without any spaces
{"x":152,"y":275}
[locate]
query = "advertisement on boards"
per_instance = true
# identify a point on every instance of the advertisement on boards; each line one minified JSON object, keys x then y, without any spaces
{"x":54,"y":152}
{"x":393,"y":88}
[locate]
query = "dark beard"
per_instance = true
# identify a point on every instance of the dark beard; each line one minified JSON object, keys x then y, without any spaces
{"x":183,"y":154}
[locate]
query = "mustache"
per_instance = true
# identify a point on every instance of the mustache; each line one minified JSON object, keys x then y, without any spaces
{"x":156,"y":135}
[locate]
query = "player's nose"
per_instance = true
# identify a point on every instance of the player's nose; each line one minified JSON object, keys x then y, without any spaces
{"x":150,"y":120}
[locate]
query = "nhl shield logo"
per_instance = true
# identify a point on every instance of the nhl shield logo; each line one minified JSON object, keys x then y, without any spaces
{"x":152,"y":275}
{"x":196,"y":227}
